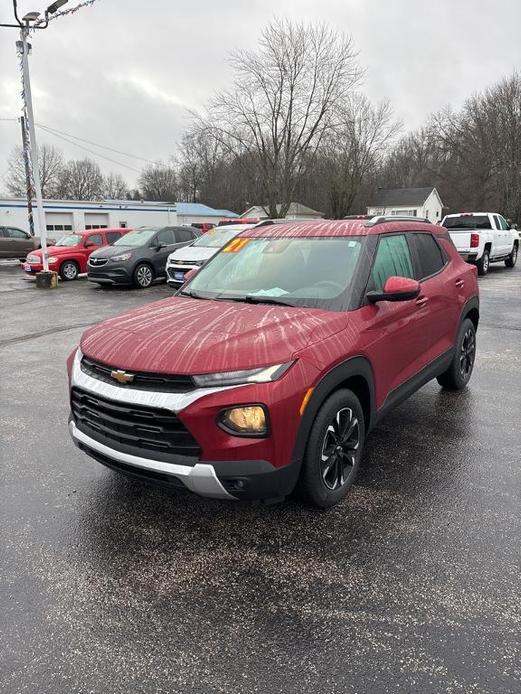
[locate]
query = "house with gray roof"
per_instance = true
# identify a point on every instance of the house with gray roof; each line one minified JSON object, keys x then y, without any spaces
{"x":409,"y":202}
{"x":295,"y":211}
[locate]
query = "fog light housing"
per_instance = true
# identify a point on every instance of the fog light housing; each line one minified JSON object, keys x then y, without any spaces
{"x":247,"y":420}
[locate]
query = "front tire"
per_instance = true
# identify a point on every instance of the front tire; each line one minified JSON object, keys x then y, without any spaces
{"x":334,"y":450}
{"x":483,"y":264}
{"x":460,"y":370}
{"x":143,"y":276}
{"x":69,"y":270}
{"x":512,"y":258}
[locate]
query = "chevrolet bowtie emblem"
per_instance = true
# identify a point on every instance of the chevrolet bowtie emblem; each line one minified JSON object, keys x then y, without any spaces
{"x":122,"y":376}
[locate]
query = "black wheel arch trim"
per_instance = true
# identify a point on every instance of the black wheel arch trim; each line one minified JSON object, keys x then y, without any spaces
{"x":355,"y":367}
{"x":471,"y":305}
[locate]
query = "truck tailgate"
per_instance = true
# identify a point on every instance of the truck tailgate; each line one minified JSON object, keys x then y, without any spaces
{"x":461,"y":239}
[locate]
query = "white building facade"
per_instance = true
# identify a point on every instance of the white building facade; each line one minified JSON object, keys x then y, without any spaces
{"x":74,"y":215}
{"x":408,"y":202}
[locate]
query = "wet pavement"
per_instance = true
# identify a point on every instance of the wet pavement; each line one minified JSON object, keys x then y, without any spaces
{"x":109,"y":585}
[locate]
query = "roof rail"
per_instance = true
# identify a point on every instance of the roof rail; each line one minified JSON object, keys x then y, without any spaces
{"x":381,"y":219}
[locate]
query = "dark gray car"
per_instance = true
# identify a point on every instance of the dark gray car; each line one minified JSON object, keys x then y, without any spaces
{"x":139,"y":257}
{"x":16,"y":243}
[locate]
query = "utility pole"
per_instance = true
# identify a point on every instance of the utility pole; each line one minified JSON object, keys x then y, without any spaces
{"x":28,"y":181}
{"x":23,"y":48}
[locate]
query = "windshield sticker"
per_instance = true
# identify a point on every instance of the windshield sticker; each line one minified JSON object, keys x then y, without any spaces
{"x":236,"y":245}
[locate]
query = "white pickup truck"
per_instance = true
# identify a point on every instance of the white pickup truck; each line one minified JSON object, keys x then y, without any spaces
{"x":483,"y":238}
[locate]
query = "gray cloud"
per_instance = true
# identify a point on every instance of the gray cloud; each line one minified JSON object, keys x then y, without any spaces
{"x":123,"y":73}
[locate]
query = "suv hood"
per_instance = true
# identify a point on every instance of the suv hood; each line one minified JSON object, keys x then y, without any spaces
{"x":191,"y":336}
{"x":109,"y":251}
{"x":192,"y":253}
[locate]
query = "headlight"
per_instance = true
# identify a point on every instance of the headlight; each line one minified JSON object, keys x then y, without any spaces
{"x":233,"y":378}
{"x":33,"y":259}
{"x":52,"y":259}
{"x":121,"y":257}
{"x":249,"y":419}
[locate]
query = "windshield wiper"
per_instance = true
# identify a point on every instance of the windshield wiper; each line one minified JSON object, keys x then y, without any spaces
{"x":250,"y":299}
{"x":193,"y":295}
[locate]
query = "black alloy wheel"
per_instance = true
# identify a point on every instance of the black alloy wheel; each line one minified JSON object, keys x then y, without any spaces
{"x":341,"y":441}
{"x":467,"y":353}
{"x":334,"y":450}
{"x":460,"y":370}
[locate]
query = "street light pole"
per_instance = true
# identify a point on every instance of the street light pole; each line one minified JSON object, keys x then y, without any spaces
{"x":28,"y":181}
{"x":24,"y":47}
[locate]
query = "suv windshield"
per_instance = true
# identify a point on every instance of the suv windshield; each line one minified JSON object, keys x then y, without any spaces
{"x":315,"y":272}
{"x":216,"y":238}
{"x":468,"y":221}
{"x":138,"y":237}
{"x":70,"y":240}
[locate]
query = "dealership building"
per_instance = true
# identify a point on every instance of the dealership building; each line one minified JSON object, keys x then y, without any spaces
{"x":74,"y":215}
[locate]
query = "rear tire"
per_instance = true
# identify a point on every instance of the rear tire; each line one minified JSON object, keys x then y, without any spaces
{"x":483,"y":264}
{"x":512,"y":258}
{"x":460,"y":370}
{"x":143,"y":276}
{"x":334,"y":450}
{"x":69,"y":270}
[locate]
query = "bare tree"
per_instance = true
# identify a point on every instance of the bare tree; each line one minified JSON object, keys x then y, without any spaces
{"x":159,"y":182}
{"x":283,"y":100}
{"x":114,"y":187}
{"x":81,"y":180}
{"x":354,"y":148}
{"x":50,"y":164}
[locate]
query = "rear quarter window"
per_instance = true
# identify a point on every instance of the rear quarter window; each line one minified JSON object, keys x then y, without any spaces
{"x":429,"y":258}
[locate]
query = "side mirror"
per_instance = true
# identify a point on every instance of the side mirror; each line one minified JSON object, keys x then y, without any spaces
{"x":513,"y":226}
{"x":190,"y":274}
{"x":396,"y":289}
{"x":90,"y":244}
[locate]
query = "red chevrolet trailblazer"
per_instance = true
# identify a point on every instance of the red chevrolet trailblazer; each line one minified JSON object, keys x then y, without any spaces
{"x":272,"y":364}
{"x":69,"y":255}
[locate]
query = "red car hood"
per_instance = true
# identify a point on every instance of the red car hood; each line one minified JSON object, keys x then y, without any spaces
{"x":190,"y":336}
{"x":54,"y":250}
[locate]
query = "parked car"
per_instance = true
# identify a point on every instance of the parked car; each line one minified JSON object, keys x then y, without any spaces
{"x":483,"y":238}
{"x":203,"y":226}
{"x":70,"y":254}
{"x":17,"y":243}
{"x":237,"y":220}
{"x":139,"y":257}
{"x":199,"y":252}
{"x":277,"y":359}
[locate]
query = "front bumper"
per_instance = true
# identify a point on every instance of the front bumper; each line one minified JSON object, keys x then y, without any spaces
{"x":199,"y":478}
{"x":33,"y":268}
{"x":110,"y":273}
{"x":175,"y":273}
{"x":225,"y":466}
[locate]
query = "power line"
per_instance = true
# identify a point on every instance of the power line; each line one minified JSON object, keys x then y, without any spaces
{"x":96,"y":144}
{"x":90,"y":151}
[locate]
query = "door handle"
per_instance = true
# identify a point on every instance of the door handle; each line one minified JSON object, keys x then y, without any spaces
{"x":422,"y":301}
{"x":459,"y":283}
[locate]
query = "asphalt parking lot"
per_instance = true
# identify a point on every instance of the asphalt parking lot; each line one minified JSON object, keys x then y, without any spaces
{"x":109,"y":585}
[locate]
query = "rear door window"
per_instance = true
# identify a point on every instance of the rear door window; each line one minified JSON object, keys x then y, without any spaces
{"x":183,"y":235}
{"x":430,"y":258}
{"x":393,"y":259}
{"x":166,"y":236}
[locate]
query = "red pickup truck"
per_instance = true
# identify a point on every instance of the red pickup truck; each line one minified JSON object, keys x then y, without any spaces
{"x":70,"y":254}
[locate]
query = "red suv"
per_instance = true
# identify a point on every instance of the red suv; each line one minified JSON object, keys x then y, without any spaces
{"x":271,"y":365}
{"x":69,"y":255}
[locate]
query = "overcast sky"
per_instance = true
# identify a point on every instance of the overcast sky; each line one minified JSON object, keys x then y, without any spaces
{"x":122,"y":72}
